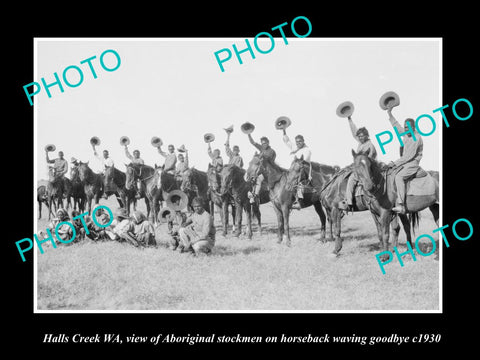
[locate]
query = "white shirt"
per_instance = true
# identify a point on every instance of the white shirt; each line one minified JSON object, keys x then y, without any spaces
{"x":105,"y":162}
{"x":305,"y":151}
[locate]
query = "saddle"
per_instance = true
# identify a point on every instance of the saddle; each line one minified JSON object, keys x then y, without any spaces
{"x":419,"y":184}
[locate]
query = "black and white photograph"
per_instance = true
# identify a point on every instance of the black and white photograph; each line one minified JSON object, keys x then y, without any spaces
{"x":263,"y":186}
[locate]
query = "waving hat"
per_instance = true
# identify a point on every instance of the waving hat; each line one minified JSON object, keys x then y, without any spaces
{"x":124,"y":141}
{"x":345,"y":109}
{"x":208,"y":137}
{"x":229,"y":129}
{"x":95,"y":141}
{"x":389,"y":100}
{"x":177,"y":200}
{"x":282,"y":123}
{"x":182,"y":148}
{"x":247,"y":128}
{"x":50,"y":147}
{"x":156,"y":141}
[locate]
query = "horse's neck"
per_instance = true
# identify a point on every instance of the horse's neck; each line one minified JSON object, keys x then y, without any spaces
{"x":201,"y":180}
{"x":168,"y":181}
{"x":146,"y":172}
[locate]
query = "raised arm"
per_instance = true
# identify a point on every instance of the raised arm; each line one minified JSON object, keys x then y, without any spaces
{"x":257,"y":145}
{"x":127,"y":154}
{"x":353,"y":128}
{"x":48,"y":160}
{"x":287,"y":141}
{"x":394,"y":121}
{"x":209,"y":151}
{"x":161,"y":152}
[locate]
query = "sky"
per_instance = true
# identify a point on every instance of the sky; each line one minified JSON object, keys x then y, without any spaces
{"x":174,"y":89}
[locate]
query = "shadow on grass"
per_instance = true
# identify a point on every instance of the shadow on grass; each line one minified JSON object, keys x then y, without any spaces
{"x":221,"y":250}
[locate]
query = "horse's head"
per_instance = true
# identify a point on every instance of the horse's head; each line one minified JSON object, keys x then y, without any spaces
{"x":84,"y":172}
{"x":109,"y":177}
{"x":187,"y":177}
{"x":74,"y":173}
{"x":255,"y":167}
{"x":365,"y":169}
{"x":131,"y":175}
{"x":158,"y":175}
{"x":298,"y":168}
{"x":213,"y":178}
{"x":227,"y":179}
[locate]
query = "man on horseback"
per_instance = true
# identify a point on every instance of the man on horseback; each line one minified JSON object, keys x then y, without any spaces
{"x":106,"y":160}
{"x":60,"y":166}
{"x":298,"y":151}
{"x":365,"y":146}
{"x":217,"y":160}
{"x":267,"y":153}
{"x":233,"y":155}
{"x":409,"y":160}
{"x":135,"y":159}
{"x":182,"y":164}
{"x":170,"y":159}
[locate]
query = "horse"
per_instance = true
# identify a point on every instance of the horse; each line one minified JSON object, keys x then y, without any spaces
{"x":149,"y":178}
{"x":195,"y":184}
{"x":165,"y":182}
{"x":234,"y":185}
{"x":379,"y":188}
{"x":114,"y":183}
{"x":92,"y":184}
{"x":67,"y":192}
{"x":55,"y":189}
{"x":216,"y":199}
{"x":333,"y":192}
{"x":41,"y":198}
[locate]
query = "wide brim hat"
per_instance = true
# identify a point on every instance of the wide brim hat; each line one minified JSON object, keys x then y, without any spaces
{"x":162,"y":215}
{"x":156,"y":141}
{"x":389,"y":100}
{"x":345,"y":109}
{"x":229,"y":129}
{"x":208,"y":137}
{"x":174,"y":196}
{"x":124,"y":141}
{"x":182,"y":148}
{"x":95,"y":141}
{"x":282,"y":123}
{"x":73,"y":160}
{"x":121,"y":213}
{"x":50,"y":147}
{"x":247,"y":128}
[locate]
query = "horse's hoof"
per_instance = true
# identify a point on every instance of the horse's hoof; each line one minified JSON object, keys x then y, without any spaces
{"x":332,"y":255}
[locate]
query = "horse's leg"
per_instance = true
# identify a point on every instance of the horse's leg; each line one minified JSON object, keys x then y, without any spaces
{"x":286,"y":222}
{"x":39,"y":209}
{"x":238,"y":219}
{"x":279,"y":214}
{"x":336,"y":215}
{"x":321,"y":214}
{"x":435,"y":211}
{"x":234,"y":216}
{"x":395,"y":226}
{"x":224,"y":216}
{"x":384,"y":221}
{"x":406,"y":228}
{"x":258,"y":215}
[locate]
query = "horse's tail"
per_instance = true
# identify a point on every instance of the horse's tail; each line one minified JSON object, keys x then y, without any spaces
{"x":413,"y":219}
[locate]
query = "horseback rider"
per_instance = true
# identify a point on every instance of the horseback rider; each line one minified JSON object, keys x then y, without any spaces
{"x":182,"y":164}
{"x":135,"y":159}
{"x":60,"y":166}
{"x":365,"y":146}
{"x":170,"y":158}
{"x":233,"y":155}
{"x":217,"y":160}
{"x":299,"y":151}
{"x":409,"y":160}
{"x":267,"y":153}
{"x":106,"y":160}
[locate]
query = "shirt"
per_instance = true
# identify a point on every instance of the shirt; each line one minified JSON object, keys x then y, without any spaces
{"x":108,"y":162}
{"x":60,"y":166}
{"x":217,"y":162}
{"x":203,"y":226}
{"x":170,"y":160}
{"x":182,"y":166}
{"x":305,"y":151}
{"x":267,"y":154}
{"x":363,"y":147}
{"x":234,"y":159}
{"x":412,"y":150}
{"x":132,"y":159}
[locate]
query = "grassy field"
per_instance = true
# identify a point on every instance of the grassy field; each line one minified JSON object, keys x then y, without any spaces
{"x":241,"y":274}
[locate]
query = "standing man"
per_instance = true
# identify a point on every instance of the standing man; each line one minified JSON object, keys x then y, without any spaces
{"x":60,"y":165}
{"x":233,"y":155}
{"x":198,"y":232}
{"x":298,"y":150}
{"x":217,"y":160}
{"x":267,"y":153}
{"x":364,"y":146}
{"x":170,"y":159}
{"x":410,"y":159}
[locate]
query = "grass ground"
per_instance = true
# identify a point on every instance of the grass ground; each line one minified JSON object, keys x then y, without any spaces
{"x":241,"y":274}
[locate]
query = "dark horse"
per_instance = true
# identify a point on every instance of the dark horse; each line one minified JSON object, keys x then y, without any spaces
{"x":77,"y":192}
{"x":379,"y":187}
{"x":195,"y":184}
{"x":92,"y":184}
{"x":234,"y":186}
{"x":148,"y":177}
{"x":165,"y":182}
{"x":214,"y":180}
{"x":282,"y":183}
{"x":55,"y":190}
{"x":114,"y":183}
{"x":333,"y":192}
